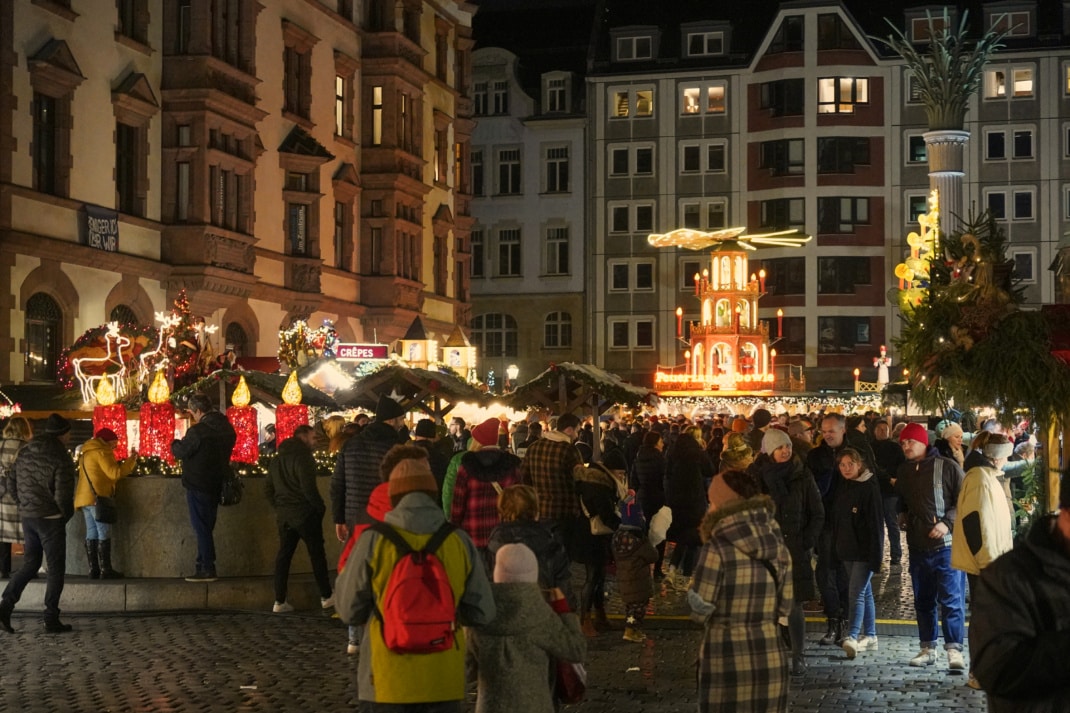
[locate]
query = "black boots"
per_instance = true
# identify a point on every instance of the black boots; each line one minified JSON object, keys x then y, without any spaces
{"x":91,"y":552}
{"x":836,"y":634}
{"x":6,"y":607}
{"x":106,"y":572}
{"x":55,"y":626}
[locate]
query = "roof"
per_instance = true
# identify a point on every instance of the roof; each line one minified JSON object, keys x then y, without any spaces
{"x":581,"y":381}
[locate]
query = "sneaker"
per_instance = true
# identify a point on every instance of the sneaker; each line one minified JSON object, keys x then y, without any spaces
{"x":850,"y":647}
{"x":973,"y":683}
{"x":352,"y":649}
{"x":327,"y":602}
{"x":282,"y":607}
{"x":867,"y":643}
{"x":925,"y":657}
{"x":955,"y":661}
{"x":631,"y":634}
{"x":201,"y":576}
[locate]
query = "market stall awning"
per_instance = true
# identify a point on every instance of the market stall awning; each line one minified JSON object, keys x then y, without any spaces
{"x":432,"y":392}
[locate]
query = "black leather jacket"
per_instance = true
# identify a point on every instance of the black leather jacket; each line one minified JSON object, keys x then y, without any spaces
{"x":42,"y":479}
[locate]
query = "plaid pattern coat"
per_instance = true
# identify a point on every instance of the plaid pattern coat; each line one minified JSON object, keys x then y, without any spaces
{"x":10,"y":524}
{"x":743,"y":665}
{"x":549,"y":464}
{"x":474,"y":507}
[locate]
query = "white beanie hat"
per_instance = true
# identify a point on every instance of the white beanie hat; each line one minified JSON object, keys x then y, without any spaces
{"x":515,"y":563}
{"x":774,"y":438}
{"x":951,"y":429}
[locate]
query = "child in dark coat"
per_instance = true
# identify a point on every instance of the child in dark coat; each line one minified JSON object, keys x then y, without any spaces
{"x":633,"y":554}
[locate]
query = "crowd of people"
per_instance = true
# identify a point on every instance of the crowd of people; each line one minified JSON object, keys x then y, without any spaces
{"x":749,"y":517}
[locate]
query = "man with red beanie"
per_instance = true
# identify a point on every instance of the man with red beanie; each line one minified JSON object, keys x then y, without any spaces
{"x":928,"y":485}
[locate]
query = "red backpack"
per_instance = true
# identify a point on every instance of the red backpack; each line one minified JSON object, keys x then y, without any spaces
{"x":419,"y":612}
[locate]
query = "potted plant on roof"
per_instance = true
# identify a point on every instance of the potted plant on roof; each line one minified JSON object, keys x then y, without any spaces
{"x":946,"y":72}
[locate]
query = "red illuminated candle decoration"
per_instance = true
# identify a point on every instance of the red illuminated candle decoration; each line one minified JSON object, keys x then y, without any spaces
{"x":108,"y":414}
{"x":697,"y":282}
{"x":157,"y":421}
{"x":679,"y":321}
{"x":243,"y":417}
{"x":291,"y":413}
{"x":761,"y":280}
{"x":772,"y":363}
{"x":780,"y":324}
{"x":738,"y":313}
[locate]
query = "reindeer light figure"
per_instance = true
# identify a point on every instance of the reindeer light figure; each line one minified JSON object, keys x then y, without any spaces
{"x":147,"y":359}
{"x":87,"y":381}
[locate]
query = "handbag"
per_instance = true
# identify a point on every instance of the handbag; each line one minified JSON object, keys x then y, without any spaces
{"x":232,"y":490}
{"x":107,"y":511}
{"x":597,"y":526}
{"x":570,"y":681}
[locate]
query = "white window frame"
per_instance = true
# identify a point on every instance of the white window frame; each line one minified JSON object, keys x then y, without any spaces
{"x":859,"y":90}
{"x":704,"y":148}
{"x":703,"y":205}
{"x":1008,"y":133}
{"x":633,"y":209}
{"x":1018,"y":23}
{"x":1010,"y":204}
{"x":633,"y":105}
{"x":500,"y":91}
{"x":1032,"y":253}
{"x":1066,"y":202}
{"x":695,"y":99}
{"x":706,"y":37}
{"x":479,"y":98}
{"x":517,"y":270}
{"x":1066,"y":140}
{"x":632,"y":280}
{"x":632,"y":150}
{"x":907,"y":160}
{"x":908,"y":199}
{"x":550,"y":162}
{"x":633,"y":42}
{"x":499,"y":162}
{"x":551,"y":237}
{"x":687,"y":275}
{"x":556,"y":93}
{"x":992,"y":89}
{"x":633,"y":323}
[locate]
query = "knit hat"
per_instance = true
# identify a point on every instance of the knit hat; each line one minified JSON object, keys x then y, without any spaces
{"x":950,"y":430}
{"x":425,"y":428}
{"x":631,"y":514}
{"x":915,"y":432}
{"x":387,"y":408}
{"x":486,"y":433}
{"x":56,"y":425}
{"x":998,"y":446}
{"x":107,"y":435}
{"x":739,"y":425}
{"x":515,"y":563}
{"x":412,"y":475}
{"x":774,"y":438}
{"x":761,"y":418}
{"x":720,"y":492}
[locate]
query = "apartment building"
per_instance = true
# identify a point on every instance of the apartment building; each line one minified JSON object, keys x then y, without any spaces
{"x":791,"y":116}
{"x":278,"y":160}
{"x":529,"y":178}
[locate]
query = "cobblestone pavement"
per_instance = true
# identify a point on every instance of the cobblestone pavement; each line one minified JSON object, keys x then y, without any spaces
{"x":262,"y":662}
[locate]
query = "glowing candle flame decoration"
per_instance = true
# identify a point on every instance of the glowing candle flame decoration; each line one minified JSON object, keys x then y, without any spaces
{"x":157,"y":421}
{"x":110,"y":415}
{"x":291,"y":413}
{"x":242,"y":417}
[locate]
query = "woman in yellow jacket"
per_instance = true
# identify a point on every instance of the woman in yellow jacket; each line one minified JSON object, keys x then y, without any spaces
{"x":98,"y":463}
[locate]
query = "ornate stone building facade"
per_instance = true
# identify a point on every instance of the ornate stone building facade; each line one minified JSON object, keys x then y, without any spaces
{"x":278,"y":160}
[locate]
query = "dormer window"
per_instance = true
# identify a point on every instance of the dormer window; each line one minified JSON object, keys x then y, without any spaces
{"x":920,"y":27}
{"x":789,"y":36}
{"x":555,"y":93}
{"x":705,"y":44}
{"x":1017,"y":23}
{"x":634,"y":48}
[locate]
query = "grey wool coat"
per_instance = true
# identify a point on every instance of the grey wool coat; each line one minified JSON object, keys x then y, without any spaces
{"x":515,"y":651}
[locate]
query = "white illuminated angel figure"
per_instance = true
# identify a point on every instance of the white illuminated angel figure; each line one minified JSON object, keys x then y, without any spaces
{"x":883,"y":362}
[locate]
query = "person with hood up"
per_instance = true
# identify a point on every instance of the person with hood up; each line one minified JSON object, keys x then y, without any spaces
{"x":482,"y":474}
{"x":742,"y":588}
{"x":688,"y":471}
{"x":98,"y":475}
{"x":648,"y":474}
{"x":858,"y":538}
{"x":783,"y":476}
{"x":515,"y":651}
{"x":633,"y":555}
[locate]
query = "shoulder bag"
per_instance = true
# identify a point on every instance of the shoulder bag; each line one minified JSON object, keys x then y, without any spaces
{"x":232,"y":490}
{"x":106,"y":510}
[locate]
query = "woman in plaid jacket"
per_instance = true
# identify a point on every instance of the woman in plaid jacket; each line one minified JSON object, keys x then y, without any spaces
{"x":742,"y":586}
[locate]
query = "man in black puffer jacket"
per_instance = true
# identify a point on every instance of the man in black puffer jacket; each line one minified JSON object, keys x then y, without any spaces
{"x":42,"y":482}
{"x":356,"y":472}
{"x":205,"y":455}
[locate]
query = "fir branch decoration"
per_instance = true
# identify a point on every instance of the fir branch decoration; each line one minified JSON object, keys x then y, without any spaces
{"x":950,"y":71}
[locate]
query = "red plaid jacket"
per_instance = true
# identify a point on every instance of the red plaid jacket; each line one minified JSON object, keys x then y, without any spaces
{"x":548,"y":467}
{"x":475,"y":499}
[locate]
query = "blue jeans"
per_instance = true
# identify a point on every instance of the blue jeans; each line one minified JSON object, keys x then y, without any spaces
{"x":860,"y":592}
{"x":935,"y":582}
{"x":43,"y":538}
{"x":95,"y":530}
{"x":202,"y":513}
{"x":891,"y":522}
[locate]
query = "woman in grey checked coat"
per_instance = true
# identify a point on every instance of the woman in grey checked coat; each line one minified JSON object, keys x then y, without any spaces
{"x":742,"y":586}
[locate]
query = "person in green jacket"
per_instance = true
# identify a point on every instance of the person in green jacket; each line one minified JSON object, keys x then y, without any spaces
{"x":299,"y":509}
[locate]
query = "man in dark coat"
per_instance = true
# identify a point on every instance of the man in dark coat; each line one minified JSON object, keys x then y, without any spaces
{"x":42,"y":483}
{"x":205,"y":455}
{"x":1020,"y":627}
{"x":291,"y":489}
{"x":356,"y":472}
{"x":889,"y":457}
{"x":439,"y":452}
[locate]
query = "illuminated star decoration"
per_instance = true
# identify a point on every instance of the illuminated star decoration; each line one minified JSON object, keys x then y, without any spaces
{"x":727,"y":237}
